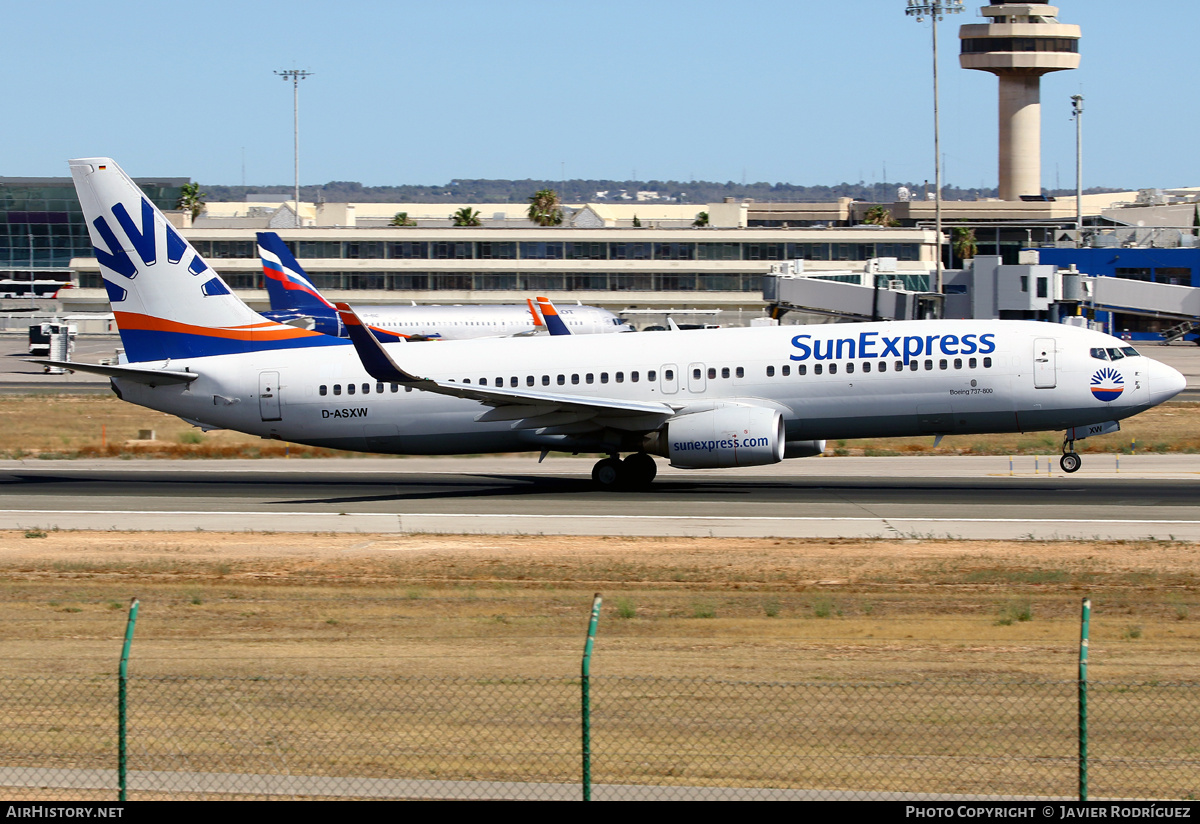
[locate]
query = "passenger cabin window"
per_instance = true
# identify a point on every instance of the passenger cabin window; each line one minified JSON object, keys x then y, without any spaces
{"x":786,"y":370}
{"x":740,"y":372}
{"x":337,"y":389}
{"x":802,"y":369}
{"x":324,"y":390}
{"x":770,"y":371}
{"x":349,"y":389}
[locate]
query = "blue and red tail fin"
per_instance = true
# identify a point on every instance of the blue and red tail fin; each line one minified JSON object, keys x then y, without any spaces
{"x":288,"y":287}
{"x":167,"y":302}
{"x":554,"y":323}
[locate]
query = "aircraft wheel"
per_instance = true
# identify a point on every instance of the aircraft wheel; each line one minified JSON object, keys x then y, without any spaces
{"x":1070,"y":462}
{"x":639,"y":470}
{"x":607,"y":473}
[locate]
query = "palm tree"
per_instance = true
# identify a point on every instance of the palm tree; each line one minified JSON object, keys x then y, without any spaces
{"x":962,"y":241}
{"x":880,"y":216}
{"x":191,"y":199}
{"x":545,"y":208}
{"x":466,"y":216}
{"x":402,"y":219}
{"x":701,"y":220}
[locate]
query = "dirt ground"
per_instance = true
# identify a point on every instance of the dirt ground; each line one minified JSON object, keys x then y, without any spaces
{"x":752,"y":609}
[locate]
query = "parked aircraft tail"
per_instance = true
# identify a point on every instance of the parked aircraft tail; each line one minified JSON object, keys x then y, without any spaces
{"x":166,"y":300}
{"x":288,"y":287}
{"x":554,"y":324}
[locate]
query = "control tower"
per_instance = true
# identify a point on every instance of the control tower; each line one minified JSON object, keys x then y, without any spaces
{"x":1020,"y":43}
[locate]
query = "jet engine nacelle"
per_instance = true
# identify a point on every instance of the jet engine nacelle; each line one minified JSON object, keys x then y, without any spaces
{"x":727,"y":436}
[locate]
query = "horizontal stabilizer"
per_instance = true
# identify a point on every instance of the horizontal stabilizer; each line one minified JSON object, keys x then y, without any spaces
{"x":151,"y":377}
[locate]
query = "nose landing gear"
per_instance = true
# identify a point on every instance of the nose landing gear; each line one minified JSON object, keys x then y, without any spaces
{"x":1070,"y":460}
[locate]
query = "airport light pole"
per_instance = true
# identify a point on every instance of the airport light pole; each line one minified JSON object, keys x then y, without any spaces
{"x":296,"y":75}
{"x":1077,"y":116}
{"x":934,"y":10}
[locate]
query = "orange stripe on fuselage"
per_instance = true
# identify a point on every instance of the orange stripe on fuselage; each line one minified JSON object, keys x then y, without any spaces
{"x":267,"y":330}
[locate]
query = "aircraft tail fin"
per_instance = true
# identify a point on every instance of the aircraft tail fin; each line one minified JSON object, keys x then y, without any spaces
{"x":288,"y":287}
{"x":553,"y":322}
{"x":166,"y":300}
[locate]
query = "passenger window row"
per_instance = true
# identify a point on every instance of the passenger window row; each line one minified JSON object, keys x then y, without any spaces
{"x":882,"y":366}
{"x":561,"y":380}
{"x":352,"y":388}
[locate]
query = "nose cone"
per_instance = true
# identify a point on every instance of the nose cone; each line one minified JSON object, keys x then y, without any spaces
{"x":1165,"y":382}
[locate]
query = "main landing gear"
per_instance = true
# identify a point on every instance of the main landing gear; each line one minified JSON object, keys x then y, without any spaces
{"x":635,"y":472}
{"x":1070,"y":460}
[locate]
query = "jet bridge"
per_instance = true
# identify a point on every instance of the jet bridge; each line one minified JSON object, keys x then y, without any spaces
{"x":877,"y":294}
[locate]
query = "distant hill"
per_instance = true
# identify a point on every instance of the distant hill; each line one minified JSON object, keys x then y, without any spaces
{"x":578,"y":191}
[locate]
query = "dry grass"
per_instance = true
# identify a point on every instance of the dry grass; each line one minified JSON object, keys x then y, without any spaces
{"x":83,"y":426}
{"x":486,"y":634}
{"x":444,"y":605}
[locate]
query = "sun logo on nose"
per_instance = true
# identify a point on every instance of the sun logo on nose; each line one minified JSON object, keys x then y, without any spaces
{"x":1107,"y":384}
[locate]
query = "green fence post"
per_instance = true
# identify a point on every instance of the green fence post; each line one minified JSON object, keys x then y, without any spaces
{"x":585,"y":674}
{"x":121,"y":684}
{"x":1083,"y":695}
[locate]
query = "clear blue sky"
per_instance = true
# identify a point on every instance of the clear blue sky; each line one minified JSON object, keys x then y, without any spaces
{"x":422,"y":92}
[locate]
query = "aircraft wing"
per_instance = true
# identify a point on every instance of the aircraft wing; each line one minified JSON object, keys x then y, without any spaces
{"x":565,"y":414}
{"x":152,"y":377}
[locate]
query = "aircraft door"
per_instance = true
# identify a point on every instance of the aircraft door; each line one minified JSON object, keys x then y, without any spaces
{"x":268,"y":396}
{"x":669,"y":378}
{"x":696,"y":377}
{"x":1045,"y":368}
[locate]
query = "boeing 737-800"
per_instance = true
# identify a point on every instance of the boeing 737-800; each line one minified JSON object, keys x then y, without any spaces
{"x":710,"y":398}
{"x":294,"y":298}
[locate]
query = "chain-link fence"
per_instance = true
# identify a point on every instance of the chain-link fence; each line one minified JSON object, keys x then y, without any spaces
{"x":651,"y":738}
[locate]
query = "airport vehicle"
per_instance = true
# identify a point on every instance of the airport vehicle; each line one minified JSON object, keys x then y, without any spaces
{"x":703,"y":399}
{"x":295,"y":300}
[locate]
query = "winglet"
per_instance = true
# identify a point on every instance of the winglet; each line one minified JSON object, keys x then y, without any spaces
{"x":374,"y":357}
{"x":550,"y":315}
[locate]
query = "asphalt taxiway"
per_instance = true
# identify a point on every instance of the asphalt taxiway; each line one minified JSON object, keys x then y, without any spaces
{"x":1133,"y":497}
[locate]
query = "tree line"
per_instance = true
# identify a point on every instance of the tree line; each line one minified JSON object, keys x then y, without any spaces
{"x":581,"y":191}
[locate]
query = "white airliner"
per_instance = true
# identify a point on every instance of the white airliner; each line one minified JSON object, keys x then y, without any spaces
{"x":708,"y":398}
{"x":294,"y":299}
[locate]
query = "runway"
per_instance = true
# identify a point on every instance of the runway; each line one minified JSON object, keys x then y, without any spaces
{"x":1144,"y":496}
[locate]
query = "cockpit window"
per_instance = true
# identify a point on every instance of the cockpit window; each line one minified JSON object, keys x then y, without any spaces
{"x":1115,"y":354}
{"x":1099,"y":354}
{"x":1130,"y":351}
